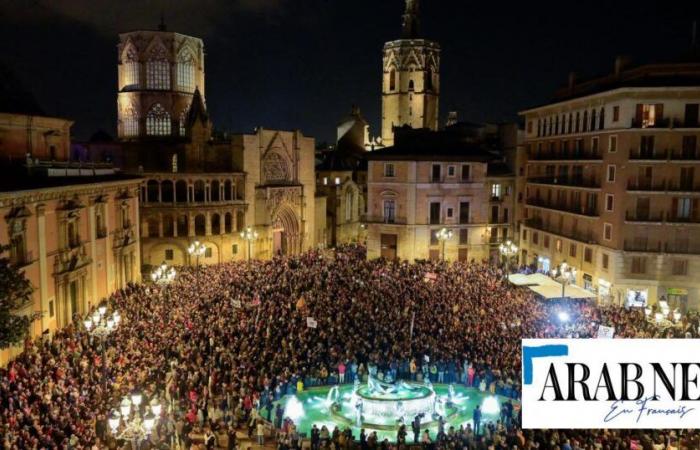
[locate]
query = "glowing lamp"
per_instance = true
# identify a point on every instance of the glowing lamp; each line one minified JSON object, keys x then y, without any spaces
{"x":125,"y":407}
{"x":659,"y":317}
{"x":136,"y":399}
{"x":156,"y":407}
{"x":148,"y":421}
{"x":102,"y":310}
{"x":490,"y":405}
{"x":563,"y":316}
{"x":114,"y":421}
{"x":88,"y":324}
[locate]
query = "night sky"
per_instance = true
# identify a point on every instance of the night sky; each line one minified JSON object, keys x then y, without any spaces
{"x":301,"y":64}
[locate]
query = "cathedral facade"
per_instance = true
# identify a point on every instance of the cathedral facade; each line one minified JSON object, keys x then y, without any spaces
{"x":200,"y":185}
{"x":411,"y":79}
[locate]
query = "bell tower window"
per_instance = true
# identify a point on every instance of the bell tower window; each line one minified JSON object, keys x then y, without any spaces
{"x":392,"y":80}
{"x":158,"y":70}
{"x":158,"y":121}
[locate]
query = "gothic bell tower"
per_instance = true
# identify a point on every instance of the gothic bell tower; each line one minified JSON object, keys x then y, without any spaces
{"x":411,"y":78}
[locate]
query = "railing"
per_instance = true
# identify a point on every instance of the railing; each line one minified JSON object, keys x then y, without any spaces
{"x":646,"y":185}
{"x":648,"y":155}
{"x":662,"y":122}
{"x":685,"y":248}
{"x":683,"y":186}
{"x":642,"y":246}
{"x":446,"y":179}
{"x":562,"y":155}
{"x":496,"y":198}
{"x":576,"y":235}
{"x":673,"y":217}
{"x":579,"y":209}
{"x":645,"y":216}
{"x":685,"y":155}
{"x":382,"y":219}
{"x":586,"y":182}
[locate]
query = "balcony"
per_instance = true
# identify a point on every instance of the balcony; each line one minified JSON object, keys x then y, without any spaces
{"x":581,"y":210}
{"x":655,"y":246}
{"x":576,"y":235}
{"x":648,"y":155}
{"x":662,"y":122}
{"x":571,"y":155}
{"x":643,"y":245}
{"x":684,"y":248}
{"x":685,"y":155}
{"x":386,"y":220}
{"x":581,"y":182}
{"x":450,"y":180}
{"x":683,"y":186}
{"x":646,"y":185}
{"x":644,"y":216}
{"x":674,"y":218}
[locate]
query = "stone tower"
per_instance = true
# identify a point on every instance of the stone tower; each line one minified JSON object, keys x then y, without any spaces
{"x":158,"y":74}
{"x":411,"y":78}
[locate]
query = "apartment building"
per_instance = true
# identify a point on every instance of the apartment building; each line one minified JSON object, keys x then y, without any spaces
{"x":612,"y":186}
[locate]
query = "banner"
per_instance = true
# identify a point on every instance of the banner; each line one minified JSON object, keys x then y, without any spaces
{"x":311,"y":322}
{"x":236,"y":303}
{"x":430,"y":277}
{"x":606,"y":332}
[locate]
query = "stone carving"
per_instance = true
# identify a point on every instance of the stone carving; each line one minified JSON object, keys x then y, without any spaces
{"x":275,"y":168}
{"x":290,"y":195}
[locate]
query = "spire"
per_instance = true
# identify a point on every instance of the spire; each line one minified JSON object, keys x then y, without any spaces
{"x":411,"y":20}
{"x":161,"y":25}
{"x":198,"y":111}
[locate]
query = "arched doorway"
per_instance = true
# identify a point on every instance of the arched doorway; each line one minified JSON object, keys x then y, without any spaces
{"x":285,"y":232}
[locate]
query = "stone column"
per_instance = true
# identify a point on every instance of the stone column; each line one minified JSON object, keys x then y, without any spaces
{"x":93,"y":249}
{"x":43,"y":270}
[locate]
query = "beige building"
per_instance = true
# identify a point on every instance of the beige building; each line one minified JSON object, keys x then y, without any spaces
{"x":433,"y":180}
{"x":612,"y":186}
{"x":200,"y":185}
{"x":411,"y":79}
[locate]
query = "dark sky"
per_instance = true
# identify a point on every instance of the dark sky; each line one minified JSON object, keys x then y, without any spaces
{"x":302,"y":63}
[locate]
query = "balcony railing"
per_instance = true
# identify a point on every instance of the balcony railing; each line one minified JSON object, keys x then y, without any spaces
{"x":642,"y":246}
{"x":586,"y":182}
{"x":685,"y":155}
{"x":656,"y":246}
{"x":648,"y":155}
{"x":673,"y":217}
{"x":684,"y":248}
{"x":683,"y":186}
{"x":387,"y":220}
{"x":576,"y":235}
{"x":565,"y":155}
{"x":574,"y":209}
{"x":646,"y":185}
{"x":662,"y":122}
{"x":644,"y":216}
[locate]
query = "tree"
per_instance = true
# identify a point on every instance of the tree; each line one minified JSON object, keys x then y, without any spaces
{"x":15,"y":291}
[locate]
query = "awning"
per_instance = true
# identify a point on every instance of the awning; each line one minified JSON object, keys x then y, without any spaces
{"x":533,"y":279}
{"x":547,"y":287}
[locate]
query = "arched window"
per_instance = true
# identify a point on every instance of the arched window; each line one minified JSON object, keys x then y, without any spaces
{"x":593,"y":120}
{"x":183,"y":122}
{"x":130,"y":123}
{"x":585,"y":121}
{"x":215,"y":224}
{"x":411,"y":86}
{"x":215,"y":191}
{"x":228,"y":223}
{"x":429,"y":80}
{"x":185,"y":71}
{"x":158,"y":121}
{"x":199,"y":225}
{"x":168,"y":226}
{"x":166,"y":191}
{"x":392,"y":80}
{"x":131,"y":69}
{"x":158,"y":69}
{"x":601,"y":119}
{"x":349,"y":200}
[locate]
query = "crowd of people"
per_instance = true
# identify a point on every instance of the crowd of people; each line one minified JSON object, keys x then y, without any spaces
{"x":222,"y":343}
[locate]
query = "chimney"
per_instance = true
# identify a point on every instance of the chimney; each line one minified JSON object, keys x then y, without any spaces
{"x":572,"y":80}
{"x":620,"y":63}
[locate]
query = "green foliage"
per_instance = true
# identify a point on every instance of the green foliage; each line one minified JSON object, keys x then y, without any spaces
{"x":15,"y":291}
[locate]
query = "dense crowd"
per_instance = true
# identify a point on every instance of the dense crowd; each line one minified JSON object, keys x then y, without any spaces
{"x":221,"y":343}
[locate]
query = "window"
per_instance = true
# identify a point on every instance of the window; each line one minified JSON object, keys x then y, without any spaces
{"x":464,"y":236}
{"x":449,"y":212}
{"x":130,"y":123}
{"x":411,"y":85}
{"x":546,"y":241}
{"x":349,"y":203}
{"x":605,"y":260}
{"x":463,"y":212}
{"x":434,"y":213}
{"x":51,"y":310}
{"x":649,"y":115}
{"x":594,"y":144}
{"x":158,"y":70}
{"x":525,"y":235}
{"x":466,"y":172}
{"x":609,"y":202}
{"x":234,"y":249}
{"x":646,"y":147}
{"x":529,"y":126}
{"x":680,"y":267}
{"x":588,"y":254}
{"x":435,"y":175}
{"x":325,"y":181}
{"x":389,"y":211}
{"x":158,"y":121}
{"x":433,"y":237}
{"x":392,"y":80}
{"x":496,"y":191}
{"x":337,"y":181}
{"x":616,"y":114}
{"x":607,"y":231}
{"x":611,"y":173}
{"x":572,"y":250}
{"x":183,"y":123}
{"x":450,"y":171}
{"x":690,"y":144}
{"x":639,"y":265}
{"x":207,"y":252}
{"x":174,"y":163}
{"x":558,"y":245}
{"x":389,"y":170}
{"x":691,"y":115}
{"x":131,"y":70}
{"x":185,"y":71}
{"x":536,"y":238}
{"x":684,"y":207}
{"x":169,"y":254}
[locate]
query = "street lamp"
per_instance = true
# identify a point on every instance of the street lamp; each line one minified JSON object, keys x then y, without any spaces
{"x":508,"y":249}
{"x":163,"y":274}
{"x":249,"y":235}
{"x":196,"y":249}
{"x":567,"y":275}
{"x":443,"y":235}
{"x":133,"y":422}
{"x":99,"y":326}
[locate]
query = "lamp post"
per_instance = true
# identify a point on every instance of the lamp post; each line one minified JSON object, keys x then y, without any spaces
{"x":99,"y":326}
{"x":134,"y":422}
{"x":508,"y":249}
{"x":196,"y":249}
{"x":249,"y":235}
{"x":163,"y":274}
{"x":567,"y":274}
{"x":443,"y":235}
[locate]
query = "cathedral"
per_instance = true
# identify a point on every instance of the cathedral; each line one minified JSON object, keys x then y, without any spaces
{"x":200,"y":185}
